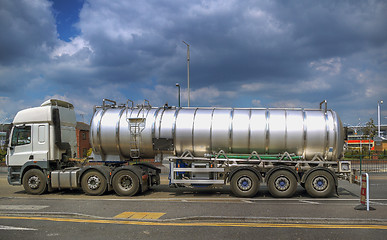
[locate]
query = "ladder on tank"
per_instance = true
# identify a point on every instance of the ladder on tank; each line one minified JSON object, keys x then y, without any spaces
{"x":136,"y":126}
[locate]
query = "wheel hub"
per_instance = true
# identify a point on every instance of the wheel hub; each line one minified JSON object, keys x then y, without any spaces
{"x":126,"y":183}
{"x":93,"y":182}
{"x":244,"y":183}
{"x":320,"y":183}
{"x":33,"y":182}
{"x":282,"y":183}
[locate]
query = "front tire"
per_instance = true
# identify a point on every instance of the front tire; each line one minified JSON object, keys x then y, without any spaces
{"x":244,"y":183}
{"x":282,"y":184}
{"x":35,"y":182}
{"x":319,"y":184}
{"x":94,"y":183}
{"x":126,"y":183}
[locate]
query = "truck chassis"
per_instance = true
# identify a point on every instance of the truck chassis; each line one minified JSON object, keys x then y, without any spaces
{"x":245,"y":172}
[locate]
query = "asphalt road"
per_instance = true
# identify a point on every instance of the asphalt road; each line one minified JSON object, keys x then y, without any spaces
{"x":165,"y":213}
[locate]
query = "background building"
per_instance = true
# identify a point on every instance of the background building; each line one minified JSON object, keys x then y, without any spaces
{"x":4,"y":133}
{"x":357,"y":142}
{"x":359,"y":139}
{"x":83,"y":141}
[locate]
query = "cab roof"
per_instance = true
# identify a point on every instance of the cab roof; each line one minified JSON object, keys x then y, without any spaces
{"x":43,"y":113}
{"x":56,"y":102}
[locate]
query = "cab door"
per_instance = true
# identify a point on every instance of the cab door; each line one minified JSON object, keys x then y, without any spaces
{"x":40,"y":143}
{"x":20,"y":149}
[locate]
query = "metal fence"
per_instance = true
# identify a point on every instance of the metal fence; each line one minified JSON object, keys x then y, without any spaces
{"x":369,"y":161}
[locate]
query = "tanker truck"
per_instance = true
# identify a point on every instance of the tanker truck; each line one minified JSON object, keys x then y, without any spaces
{"x":201,"y":146}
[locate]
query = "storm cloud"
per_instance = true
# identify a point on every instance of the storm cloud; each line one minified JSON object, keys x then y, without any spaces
{"x":243,"y":54}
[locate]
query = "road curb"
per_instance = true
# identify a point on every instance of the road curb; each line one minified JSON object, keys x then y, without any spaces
{"x":284,"y":220}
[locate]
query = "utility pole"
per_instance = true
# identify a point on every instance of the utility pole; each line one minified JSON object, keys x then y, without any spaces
{"x":188,"y":72}
{"x":178,"y":94}
{"x":379,"y":103}
{"x":83,"y":117}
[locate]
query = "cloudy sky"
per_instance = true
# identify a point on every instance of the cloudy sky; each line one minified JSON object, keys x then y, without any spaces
{"x":243,"y":54}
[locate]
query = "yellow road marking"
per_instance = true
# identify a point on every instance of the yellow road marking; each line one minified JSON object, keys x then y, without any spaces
{"x":140,"y":215}
{"x":202,"y":224}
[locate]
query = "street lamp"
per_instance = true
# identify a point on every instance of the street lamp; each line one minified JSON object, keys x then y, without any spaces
{"x":188,"y":71}
{"x":379,"y":103}
{"x":178,"y":93}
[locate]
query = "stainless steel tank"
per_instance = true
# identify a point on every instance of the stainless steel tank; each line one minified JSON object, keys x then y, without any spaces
{"x":122,"y":132}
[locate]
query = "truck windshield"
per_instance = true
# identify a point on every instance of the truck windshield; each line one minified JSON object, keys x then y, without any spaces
{"x":21,"y":136}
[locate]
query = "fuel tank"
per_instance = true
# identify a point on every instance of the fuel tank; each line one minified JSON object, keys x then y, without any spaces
{"x":123,"y":132}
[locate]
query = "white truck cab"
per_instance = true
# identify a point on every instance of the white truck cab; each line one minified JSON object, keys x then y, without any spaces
{"x":42,"y":141}
{"x":40,"y":135}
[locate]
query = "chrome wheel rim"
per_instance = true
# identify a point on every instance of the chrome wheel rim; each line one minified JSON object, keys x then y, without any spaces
{"x":125,"y":183}
{"x":93,"y":182}
{"x":282,"y":183}
{"x":320,"y":183}
{"x":244,"y":183}
{"x":34,"y":182}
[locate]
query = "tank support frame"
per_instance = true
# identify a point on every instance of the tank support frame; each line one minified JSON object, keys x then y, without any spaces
{"x":214,"y":169}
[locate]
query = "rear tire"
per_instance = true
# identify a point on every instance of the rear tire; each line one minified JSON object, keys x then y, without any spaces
{"x":282,"y":184}
{"x":244,"y":183}
{"x":94,"y":183}
{"x":35,"y":182}
{"x":320,"y":184}
{"x":126,"y":183}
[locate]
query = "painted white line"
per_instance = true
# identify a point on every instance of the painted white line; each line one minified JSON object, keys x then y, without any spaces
{"x":223,"y":199}
{"x":2,"y":227}
{"x":378,"y":203}
{"x":310,"y":202}
{"x":53,"y":234}
{"x":210,"y":199}
{"x":22,"y":207}
{"x":247,"y":201}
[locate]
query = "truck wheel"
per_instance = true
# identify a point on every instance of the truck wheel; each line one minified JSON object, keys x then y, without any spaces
{"x":244,"y":184}
{"x":126,"y":183}
{"x":319,"y":184}
{"x":94,"y":183}
{"x":282,"y":184}
{"x":35,"y":182}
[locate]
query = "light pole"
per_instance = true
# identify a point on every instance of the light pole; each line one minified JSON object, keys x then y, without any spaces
{"x":188,"y":71}
{"x":178,"y":93}
{"x":83,"y":117}
{"x":379,"y":103}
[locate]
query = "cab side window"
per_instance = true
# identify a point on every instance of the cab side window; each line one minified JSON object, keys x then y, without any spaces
{"x":21,"y":136}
